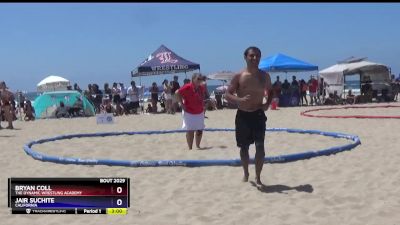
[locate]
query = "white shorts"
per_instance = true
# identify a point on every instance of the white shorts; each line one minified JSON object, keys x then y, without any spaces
{"x":193,"y":121}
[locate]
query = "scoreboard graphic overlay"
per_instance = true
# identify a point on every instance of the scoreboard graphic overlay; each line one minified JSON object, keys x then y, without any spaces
{"x":69,"y":195}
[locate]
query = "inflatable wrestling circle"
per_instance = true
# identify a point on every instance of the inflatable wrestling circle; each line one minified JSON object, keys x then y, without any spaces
{"x":306,"y":113}
{"x":189,"y":163}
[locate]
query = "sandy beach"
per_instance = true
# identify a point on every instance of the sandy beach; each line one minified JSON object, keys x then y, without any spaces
{"x":357,"y":187}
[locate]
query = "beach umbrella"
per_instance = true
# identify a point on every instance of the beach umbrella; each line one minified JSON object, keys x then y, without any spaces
{"x":53,"y":83}
{"x":222,"y":88}
{"x":221,"y":75}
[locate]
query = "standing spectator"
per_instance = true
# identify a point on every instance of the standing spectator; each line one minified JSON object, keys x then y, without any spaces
{"x":286,"y":87}
{"x":6,"y":100}
{"x":322,"y":85}
{"x":303,"y":92}
{"x":97,"y":96}
{"x":312,"y":87}
{"x":107,"y":91}
{"x":174,"y":87}
{"x":115,"y":91}
{"x":295,"y":92}
{"x":395,"y":84}
{"x":276,"y":89}
{"x":88,"y":93}
{"x":154,"y":96}
{"x":191,"y":98}
{"x":133,"y":95}
{"x":77,"y":88}
{"x":122,"y":93}
{"x":167,"y":96}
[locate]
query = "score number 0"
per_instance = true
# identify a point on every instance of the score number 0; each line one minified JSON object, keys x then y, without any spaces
{"x":119,"y":191}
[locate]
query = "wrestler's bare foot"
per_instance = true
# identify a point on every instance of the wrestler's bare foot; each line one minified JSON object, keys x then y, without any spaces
{"x":245,"y":178}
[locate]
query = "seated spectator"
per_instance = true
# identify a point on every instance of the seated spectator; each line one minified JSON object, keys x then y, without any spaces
{"x":76,"y":108}
{"x":119,"y":110}
{"x":108,"y":108}
{"x":385,"y":97}
{"x":330,"y":100}
{"x":338,"y":100}
{"x":149,"y":109}
{"x":62,"y":111}
{"x":210,"y":104}
{"x":350,"y":98}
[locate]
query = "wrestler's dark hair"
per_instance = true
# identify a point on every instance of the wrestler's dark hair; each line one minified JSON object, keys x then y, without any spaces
{"x":251,"y":48}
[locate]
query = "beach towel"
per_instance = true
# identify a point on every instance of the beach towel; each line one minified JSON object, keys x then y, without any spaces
{"x":192,"y":121}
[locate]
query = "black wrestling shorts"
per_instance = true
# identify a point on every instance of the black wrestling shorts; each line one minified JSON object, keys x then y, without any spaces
{"x":250,"y":127}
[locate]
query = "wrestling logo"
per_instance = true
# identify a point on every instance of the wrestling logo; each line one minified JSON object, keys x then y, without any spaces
{"x":165,"y":57}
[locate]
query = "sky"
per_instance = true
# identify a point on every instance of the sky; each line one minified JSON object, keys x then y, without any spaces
{"x":103,"y":42}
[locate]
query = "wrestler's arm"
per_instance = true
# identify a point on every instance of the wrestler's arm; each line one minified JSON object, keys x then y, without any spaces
{"x":179,"y":99}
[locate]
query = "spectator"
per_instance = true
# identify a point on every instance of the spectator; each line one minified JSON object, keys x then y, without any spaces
{"x":62,"y":111}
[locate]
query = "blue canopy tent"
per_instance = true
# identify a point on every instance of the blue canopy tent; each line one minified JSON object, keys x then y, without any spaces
{"x":163,"y":61}
{"x":283,"y":63}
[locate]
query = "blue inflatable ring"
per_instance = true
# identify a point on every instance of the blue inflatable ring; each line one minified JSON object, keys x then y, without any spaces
{"x":188,"y":163}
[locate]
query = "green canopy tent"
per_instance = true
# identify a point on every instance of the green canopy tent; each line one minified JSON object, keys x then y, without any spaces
{"x":46,"y":104}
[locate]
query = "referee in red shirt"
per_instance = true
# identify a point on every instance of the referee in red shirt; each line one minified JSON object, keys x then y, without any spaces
{"x":191,"y":98}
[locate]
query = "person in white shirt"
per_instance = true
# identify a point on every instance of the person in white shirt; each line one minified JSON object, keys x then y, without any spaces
{"x":133,"y":95}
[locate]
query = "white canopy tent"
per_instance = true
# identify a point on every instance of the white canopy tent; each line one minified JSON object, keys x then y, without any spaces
{"x":335,"y":75}
{"x":53,"y":83}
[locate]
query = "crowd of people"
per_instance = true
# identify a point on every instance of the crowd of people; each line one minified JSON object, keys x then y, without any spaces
{"x":297,"y":90}
{"x":295,"y":93}
{"x":121,"y":100}
{"x":117,"y":99}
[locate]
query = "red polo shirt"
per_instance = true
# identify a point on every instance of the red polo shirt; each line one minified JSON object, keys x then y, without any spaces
{"x":192,"y":100}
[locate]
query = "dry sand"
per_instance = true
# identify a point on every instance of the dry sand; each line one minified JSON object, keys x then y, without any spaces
{"x":361,"y":186}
